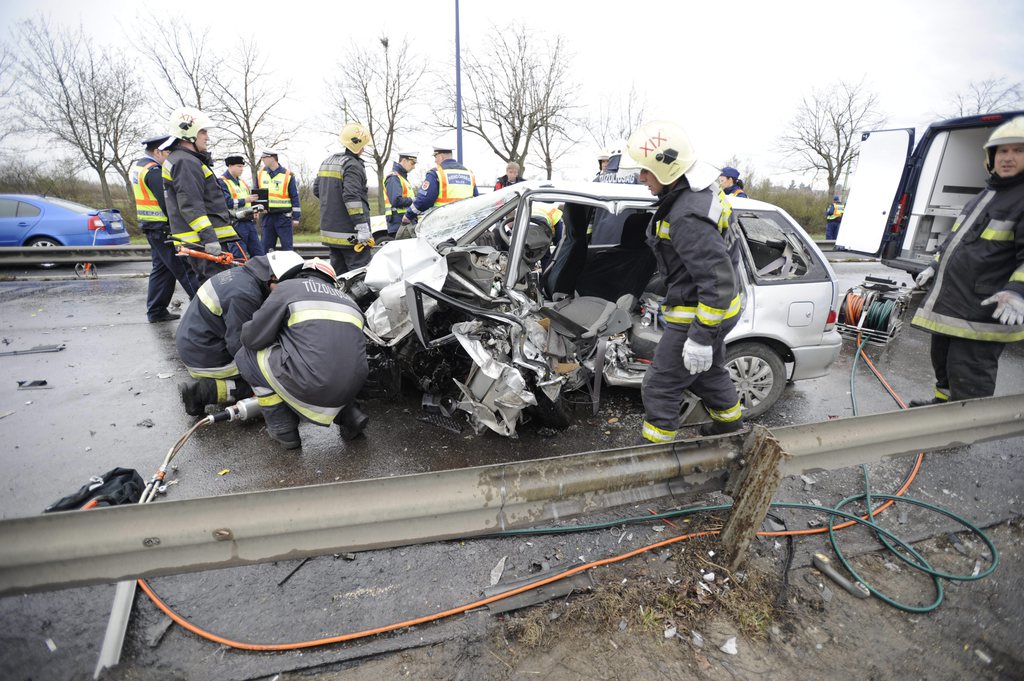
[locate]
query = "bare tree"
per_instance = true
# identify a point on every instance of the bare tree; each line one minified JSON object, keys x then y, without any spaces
{"x":616,"y":118}
{"x":988,"y":96}
{"x":8,"y":78}
{"x":80,"y":97}
{"x":377,"y":87}
{"x":247,"y":96}
{"x":823,"y":135}
{"x":184,"y":61}
{"x":513,"y":91}
{"x":555,"y":93}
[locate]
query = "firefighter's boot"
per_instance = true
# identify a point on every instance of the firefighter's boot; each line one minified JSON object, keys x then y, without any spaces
{"x":282,"y":424}
{"x":721,"y":427}
{"x":197,"y":394}
{"x":237,"y":389}
{"x":351,"y":421}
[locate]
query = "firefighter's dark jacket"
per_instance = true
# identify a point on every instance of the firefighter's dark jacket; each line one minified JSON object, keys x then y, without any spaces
{"x":308,"y":337}
{"x":209,"y":333}
{"x":984,"y":254}
{"x":687,"y":235}
{"x":340,"y":185}
{"x":195,"y":203}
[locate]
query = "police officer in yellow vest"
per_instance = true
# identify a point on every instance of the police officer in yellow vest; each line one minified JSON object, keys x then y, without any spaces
{"x":283,"y":209}
{"x":148,"y":185}
{"x":833,"y":218}
{"x":195,"y":204}
{"x":448,"y":181}
{"x":240,"y":202}
{"x":398,"y":193}
{"x":340,"y":185}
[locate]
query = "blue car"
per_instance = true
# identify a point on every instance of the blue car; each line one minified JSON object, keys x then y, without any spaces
{"x":27,"y":220}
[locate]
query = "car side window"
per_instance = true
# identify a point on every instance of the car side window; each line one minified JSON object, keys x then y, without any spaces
{"x":8,"y":208}
{"x":27,"y":210}
{"x":777,"y":252}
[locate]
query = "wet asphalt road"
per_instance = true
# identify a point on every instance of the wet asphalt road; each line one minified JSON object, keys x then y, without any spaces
{"x":111,"y":401}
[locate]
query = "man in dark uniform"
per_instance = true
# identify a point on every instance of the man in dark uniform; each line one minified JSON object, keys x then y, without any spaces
{"x":688,"y":234}
{"x":978,"y":266}
{"x":195,"y":204}
{"x":340,"y":185}
{"x":150,"y":208}
{"x":240,"y":202}
{"x":210,"y":333}
{"x":833,"y":218}
{"x":398,"y":193}
{"x":304,"y":355}
{"x":447,"y":182}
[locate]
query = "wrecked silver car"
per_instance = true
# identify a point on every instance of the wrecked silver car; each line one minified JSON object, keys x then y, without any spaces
{"x":502,"y":315}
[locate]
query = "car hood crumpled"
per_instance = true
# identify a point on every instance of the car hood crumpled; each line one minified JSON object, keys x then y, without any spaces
{"x":397,"y":263}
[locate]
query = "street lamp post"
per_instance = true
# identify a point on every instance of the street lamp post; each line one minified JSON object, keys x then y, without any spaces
{"x":458,"y":89}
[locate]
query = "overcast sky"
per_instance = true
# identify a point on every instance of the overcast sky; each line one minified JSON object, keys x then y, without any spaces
{"x":732,"y":73}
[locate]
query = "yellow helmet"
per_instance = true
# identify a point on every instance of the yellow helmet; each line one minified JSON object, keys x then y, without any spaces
{"x":355,"y":137}
{"x":663,"y":148}
{"x":186,"y":122}
{"x":1011,"y":132}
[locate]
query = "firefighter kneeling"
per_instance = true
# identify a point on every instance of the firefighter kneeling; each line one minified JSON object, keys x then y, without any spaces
{"x":304,"y":355}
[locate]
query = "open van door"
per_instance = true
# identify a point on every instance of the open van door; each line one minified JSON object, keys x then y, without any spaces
{"x":880,"y":171}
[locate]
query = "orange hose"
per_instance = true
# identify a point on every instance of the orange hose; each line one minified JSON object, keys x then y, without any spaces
{"x":413,"y":622}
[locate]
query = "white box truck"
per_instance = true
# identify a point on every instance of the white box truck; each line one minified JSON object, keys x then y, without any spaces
{"x":904,"y":200}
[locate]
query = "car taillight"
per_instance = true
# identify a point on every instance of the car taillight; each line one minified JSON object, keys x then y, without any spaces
{"x":830,"y":323}
{"x":895,"y":227}
{"x":96,"y":223}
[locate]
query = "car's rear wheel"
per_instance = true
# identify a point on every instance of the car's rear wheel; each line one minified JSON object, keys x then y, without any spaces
{"x":759,"y":375}
{"x":44,"y":242}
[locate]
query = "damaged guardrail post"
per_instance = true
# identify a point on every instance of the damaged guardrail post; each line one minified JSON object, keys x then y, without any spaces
{"x":752,"y":485}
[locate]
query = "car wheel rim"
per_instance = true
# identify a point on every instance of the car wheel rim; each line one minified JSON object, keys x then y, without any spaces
{"x":753,"y":378}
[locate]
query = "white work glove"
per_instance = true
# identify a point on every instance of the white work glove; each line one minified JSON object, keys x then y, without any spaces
{"x":696,"y":357}
{"x":923,"y":277}
{"x":213,"y":248}
{"x":1009,"y":307}
{"x":363,"y":234}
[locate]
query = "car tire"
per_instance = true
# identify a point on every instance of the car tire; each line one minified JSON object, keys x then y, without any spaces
{"x":759,"y":375}
{"x":555,"y":414}
{"x":43,"y":242}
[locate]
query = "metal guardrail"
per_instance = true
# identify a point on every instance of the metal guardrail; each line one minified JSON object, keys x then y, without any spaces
{"x":104,"y":545}
{"x":70,"y":255}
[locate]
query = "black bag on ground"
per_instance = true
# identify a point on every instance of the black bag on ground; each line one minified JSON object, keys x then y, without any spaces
{"x":117,"y":486}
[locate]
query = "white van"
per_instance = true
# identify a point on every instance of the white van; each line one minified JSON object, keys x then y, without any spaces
{"x":903,"y":201}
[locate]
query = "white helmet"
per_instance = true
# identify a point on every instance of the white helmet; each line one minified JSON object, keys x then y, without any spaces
{"x":186,"y":123}
{"x":1011,"y":132}
{"x":283,"y":261}
{"x":663,"y":148}
{"x":322,"y":266}
{"x":355,"y":137}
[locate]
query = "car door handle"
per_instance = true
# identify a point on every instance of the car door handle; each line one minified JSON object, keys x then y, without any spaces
{"x":22,"y":224}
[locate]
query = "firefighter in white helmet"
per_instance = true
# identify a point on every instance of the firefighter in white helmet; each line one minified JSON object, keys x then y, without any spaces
{"x":976,"y":304}
{"x":196,"y":211}
{"x":344,"y":205}
{"x":702,"y":303}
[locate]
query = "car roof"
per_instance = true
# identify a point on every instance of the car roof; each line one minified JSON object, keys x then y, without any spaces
{"x":22,"y":196}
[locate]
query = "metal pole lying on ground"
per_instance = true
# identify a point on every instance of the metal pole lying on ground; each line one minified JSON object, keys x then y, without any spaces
{"x":104,"y":545}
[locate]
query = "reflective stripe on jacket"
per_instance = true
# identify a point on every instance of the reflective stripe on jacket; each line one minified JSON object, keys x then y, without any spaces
{"x":689,"y":234}
{"x":309,"y":346}
{"x":984,"y":254}
{"x":340,"y":185}
{"x":196,"y":211}
{"x":837,"y":212}
{"x":282,"y":196}
{"x":209,"y":333}
{"x":147,"y":201}
{"x":407,"y":193}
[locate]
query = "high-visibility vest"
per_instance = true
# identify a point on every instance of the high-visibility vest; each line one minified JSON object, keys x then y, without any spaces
{"x":552,"y":214}
{"x":407,"y":192}
{"x":277,"y":189}
{"x":147,"y":208}
{"x":837,"y":211}
{"x":238,"y":187}
{"x":449,"y":191}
